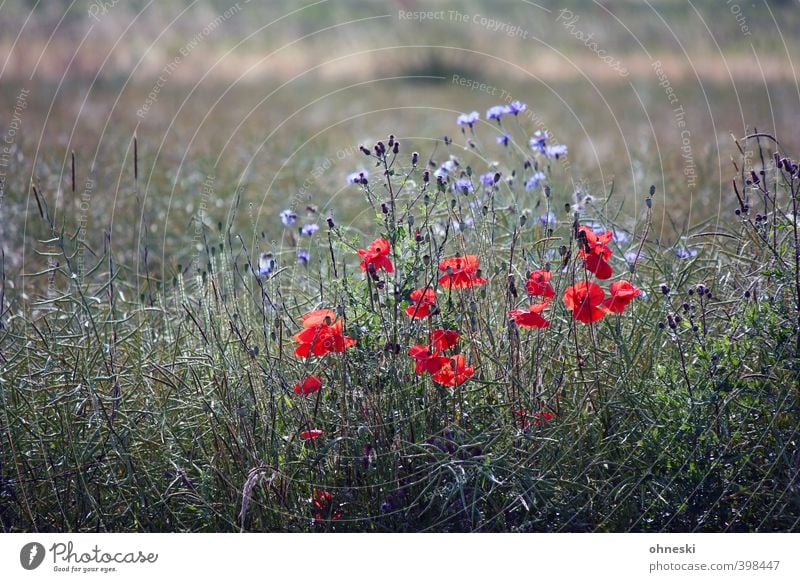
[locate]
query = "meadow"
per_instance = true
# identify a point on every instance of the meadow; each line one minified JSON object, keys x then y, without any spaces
{"x":327,"y":296}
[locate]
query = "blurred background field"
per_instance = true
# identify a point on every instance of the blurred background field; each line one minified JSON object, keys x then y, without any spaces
{"x":257,"y":94}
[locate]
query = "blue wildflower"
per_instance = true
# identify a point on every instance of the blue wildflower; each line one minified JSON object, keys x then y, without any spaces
{"x":548,"y":219}
{"x":535,"y":181}
{"x":597,"y":227}
{"x":621,"y":237}
{"x":631,"y":256}
{"x":516,"y":107}
{"x":309,"y":229}
{"x":288,"y":217}
{"x":266,"y":264}
{"x":446,"y":168}
{"x":303,"y":256}
{"x":497,"y":112}
{"x":468,"y":118}
{"x":685,"y":252}
{"x":463,"y":185}
{"x":538,"y":142}
{"x":555,"y":151}
{"x":487,"y":179}
{"x":503,"y":139}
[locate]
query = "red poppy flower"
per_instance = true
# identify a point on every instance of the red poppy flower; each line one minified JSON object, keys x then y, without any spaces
{"x":377,"y":255}
{"x":595,"y":244}
{"x":310,"y":435}
{"x":322,"y":506}
{"x":423,"y":299}
{"x":599,"y":266}
{"x":595,"y":252}
{"x":444,"y":339}
{"x":321,"y":334}
{"x":318,"y":317}
{"x":542,"y":417}
{"x":522,"y":417}
{"x":461,"y":272}
{"x":539,"y":418}
{"x":455,"y":372}
{"x":428,"y":360}
{"x":531,"y":318}
{"x":538,"y":284}
{"x":584,"y":299}
{"x":622,"y":293}
{"x":308,"y":386}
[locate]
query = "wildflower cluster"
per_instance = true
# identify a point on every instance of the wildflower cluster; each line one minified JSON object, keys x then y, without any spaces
{"x":586,"y":299}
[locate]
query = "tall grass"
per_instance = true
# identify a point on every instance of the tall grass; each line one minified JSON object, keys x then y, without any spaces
{"x":136,"y":404}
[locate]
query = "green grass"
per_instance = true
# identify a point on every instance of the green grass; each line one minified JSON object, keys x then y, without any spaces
{"x":142,"y":396}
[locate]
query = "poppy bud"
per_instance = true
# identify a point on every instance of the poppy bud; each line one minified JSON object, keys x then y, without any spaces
{"x":512,"y":288}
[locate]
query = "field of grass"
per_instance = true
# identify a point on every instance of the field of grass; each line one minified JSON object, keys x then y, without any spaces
{"x":158,"y":270}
